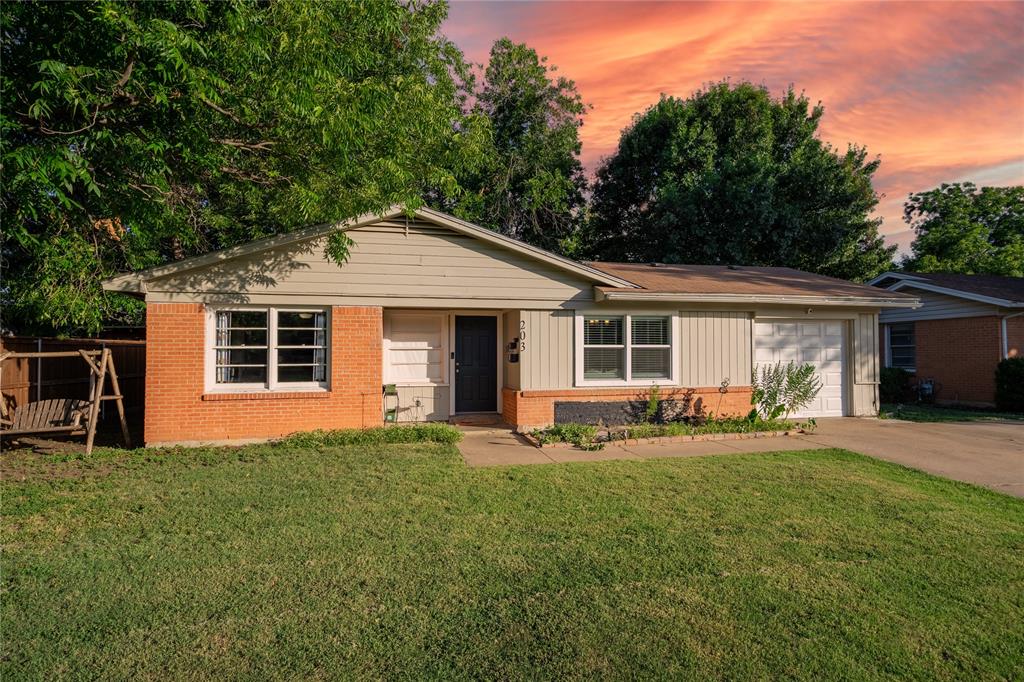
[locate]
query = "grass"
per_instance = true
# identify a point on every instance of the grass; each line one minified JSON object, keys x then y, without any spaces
{"x":934,"y":413}
{"x":274,"y":562}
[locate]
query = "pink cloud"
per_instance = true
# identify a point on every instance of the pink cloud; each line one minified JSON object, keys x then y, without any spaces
{"x":935,"y":89}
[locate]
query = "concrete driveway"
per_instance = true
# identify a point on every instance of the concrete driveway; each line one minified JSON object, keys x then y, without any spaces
{"x":988,"y":454}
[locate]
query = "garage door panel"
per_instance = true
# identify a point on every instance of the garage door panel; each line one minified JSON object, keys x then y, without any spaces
{"x":818,"y":343}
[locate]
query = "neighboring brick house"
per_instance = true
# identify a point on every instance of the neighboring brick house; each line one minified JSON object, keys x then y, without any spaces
{"x":272,"y":337}
{"x":966,"y":324}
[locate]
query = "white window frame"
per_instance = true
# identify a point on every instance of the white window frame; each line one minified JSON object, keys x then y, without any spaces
{"x":888,"y":346}
{"x":386,"y":373}
{"x":272,"y":385}
{"x":627,"y":346}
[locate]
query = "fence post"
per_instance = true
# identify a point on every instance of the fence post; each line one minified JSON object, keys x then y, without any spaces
{"x":39,"y":370}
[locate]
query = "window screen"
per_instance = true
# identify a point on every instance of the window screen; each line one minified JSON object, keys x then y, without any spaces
{"x":241,"y":347}
{"x":902,"y":348}
{"x":301,"y":347}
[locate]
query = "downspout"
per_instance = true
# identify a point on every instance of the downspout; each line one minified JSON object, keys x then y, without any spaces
{"x":1005,"y":335}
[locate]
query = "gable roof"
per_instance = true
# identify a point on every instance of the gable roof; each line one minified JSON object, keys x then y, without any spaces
{"x":135,"y":282}
{"x":661,"y":281}
{"x":1002,"y":291}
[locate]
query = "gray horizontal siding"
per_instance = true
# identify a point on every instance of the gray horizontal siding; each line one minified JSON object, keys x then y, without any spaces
{"x":936,"y":307}
{"x":389,"y":264}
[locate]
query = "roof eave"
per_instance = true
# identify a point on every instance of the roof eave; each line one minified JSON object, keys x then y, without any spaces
{"x":902,"y":276}
{"x":980,"y":298}
{"x":662,"y":297}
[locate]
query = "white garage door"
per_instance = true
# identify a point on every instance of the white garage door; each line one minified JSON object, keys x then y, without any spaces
{"x":820,"y":343}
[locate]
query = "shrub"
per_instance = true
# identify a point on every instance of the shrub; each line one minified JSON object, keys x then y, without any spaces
{"x":779,"y":390}
{"x":581,"y":435}
{"x":894,"y":385}
{"x":411,"y":433}
{"x":1010,"y":385}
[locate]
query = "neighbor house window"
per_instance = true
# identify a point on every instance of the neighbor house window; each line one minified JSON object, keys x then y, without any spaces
{"x":628,"y":349}
{"x":902,"y":349}
{"x":269,"y":348}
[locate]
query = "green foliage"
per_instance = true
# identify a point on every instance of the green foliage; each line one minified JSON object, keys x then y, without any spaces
{"x":779,"y":390}
{"x":966,"y":230}
{"x":732,"y":176}
{"x":709,"y":426}
{"x":411,"y":433}
{"x":1010,"y":385}
{"x":338,"y":247}
{"x":133,"y":134}
{"x":894,"y":386}
{"x":581,"y":435}
{"x":529,"y":182}
{"x":653,"y":405}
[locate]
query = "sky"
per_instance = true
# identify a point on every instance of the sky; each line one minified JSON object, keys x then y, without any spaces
{"x":936,"y":89}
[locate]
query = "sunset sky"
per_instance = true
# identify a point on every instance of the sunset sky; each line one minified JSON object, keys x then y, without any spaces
{"x":935,"y":89}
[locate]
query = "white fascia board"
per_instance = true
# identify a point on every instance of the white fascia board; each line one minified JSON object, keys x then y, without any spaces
{"x":1002,"y":302}
{"x":894,"y":275}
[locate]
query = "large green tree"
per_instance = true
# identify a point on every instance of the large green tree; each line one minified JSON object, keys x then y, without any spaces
{"x":134,"y":133}
{"x":963,"y":229}
{"x":733,"y":176}
{"x":530,"y":184}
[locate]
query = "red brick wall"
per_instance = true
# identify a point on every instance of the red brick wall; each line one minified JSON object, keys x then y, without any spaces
{"x":1015,"y":336}
{"x":961,"y":356}
{"x":528,"y":409}
{"x":178,"y":409}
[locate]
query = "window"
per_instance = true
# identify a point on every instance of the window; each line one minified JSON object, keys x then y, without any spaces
{"x":603,"y":348}
{"x":651,"y":351}
{"x":902,"y":350}
{"x":619,"y":349}
{"x":269,"y":349}
{"x":414,"y":348}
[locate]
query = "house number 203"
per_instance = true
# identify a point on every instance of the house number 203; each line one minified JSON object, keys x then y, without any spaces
{"x":522,"y":336}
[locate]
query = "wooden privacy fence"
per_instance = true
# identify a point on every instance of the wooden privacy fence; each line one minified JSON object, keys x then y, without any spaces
{"x":25,"y":380}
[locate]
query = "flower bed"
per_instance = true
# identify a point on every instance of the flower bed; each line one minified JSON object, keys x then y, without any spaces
{"x":588,"y":437}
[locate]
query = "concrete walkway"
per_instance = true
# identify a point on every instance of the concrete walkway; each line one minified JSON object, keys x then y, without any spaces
{"x":988,"y":454}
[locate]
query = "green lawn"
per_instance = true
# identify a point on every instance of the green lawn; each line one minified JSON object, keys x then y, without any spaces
{"x":398,"y":561}
{"x":934,"y":413}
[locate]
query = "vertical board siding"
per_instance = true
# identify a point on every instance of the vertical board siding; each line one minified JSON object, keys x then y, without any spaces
{"x":866,"y":352}
{"x":715,"y":346}
{"x":434,"y":402}
{"x":547,"y":361}
{"x":511,"y":331}
{"x":865,"y":365}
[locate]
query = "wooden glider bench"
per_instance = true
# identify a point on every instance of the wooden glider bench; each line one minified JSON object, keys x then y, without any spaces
{"x":66,"y":416}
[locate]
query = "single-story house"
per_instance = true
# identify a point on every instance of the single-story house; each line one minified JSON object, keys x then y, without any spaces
{"x":966,"y":324}
{"x":272,"y":337}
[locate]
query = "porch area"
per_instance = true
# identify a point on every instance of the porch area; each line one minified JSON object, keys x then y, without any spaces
{"x":448,"y":365}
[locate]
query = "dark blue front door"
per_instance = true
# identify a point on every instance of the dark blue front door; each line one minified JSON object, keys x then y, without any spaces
{"x":476,"y":364}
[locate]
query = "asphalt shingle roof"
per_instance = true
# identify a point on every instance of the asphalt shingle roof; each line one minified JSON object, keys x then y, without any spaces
{"x":737,"y":280}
